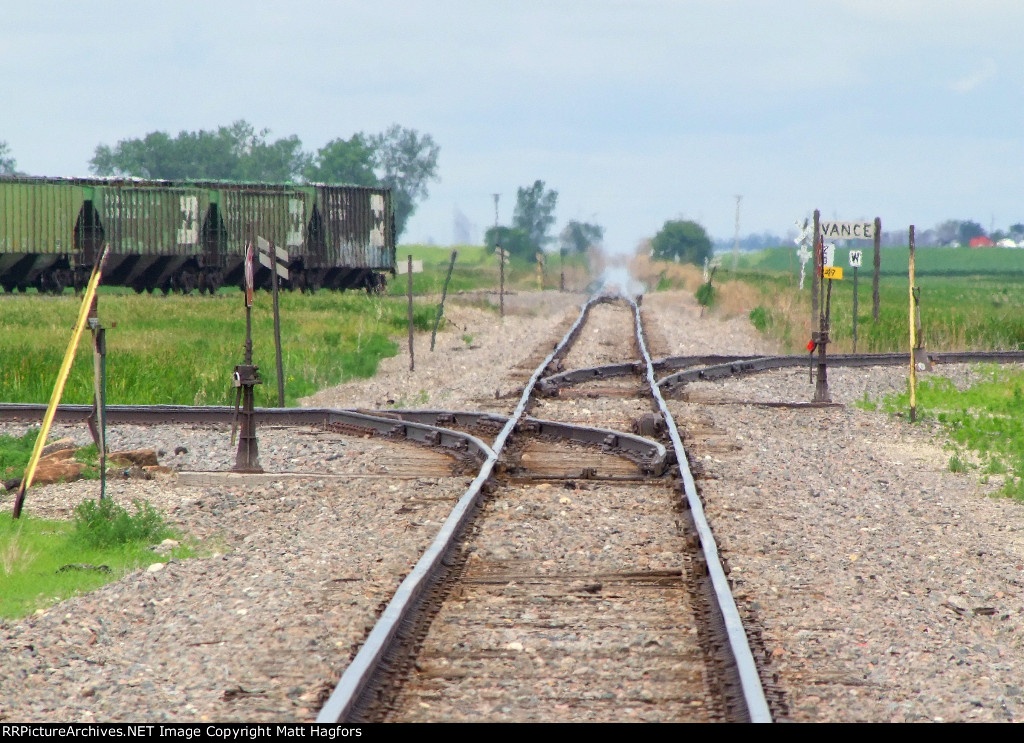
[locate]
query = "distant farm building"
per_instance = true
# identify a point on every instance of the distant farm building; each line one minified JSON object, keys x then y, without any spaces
{"x":981,"y":242}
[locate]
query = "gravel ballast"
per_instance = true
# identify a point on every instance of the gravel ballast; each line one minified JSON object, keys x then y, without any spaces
{"x":884,"y":586}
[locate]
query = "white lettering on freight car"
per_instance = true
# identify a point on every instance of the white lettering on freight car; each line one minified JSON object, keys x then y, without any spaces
{"x":376,"y":238}
{"x":188,"y":233}
{"x":296,"y":210}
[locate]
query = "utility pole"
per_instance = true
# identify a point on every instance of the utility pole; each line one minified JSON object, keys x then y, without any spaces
{"x":736,"y":242}
{"x":501,"y":261}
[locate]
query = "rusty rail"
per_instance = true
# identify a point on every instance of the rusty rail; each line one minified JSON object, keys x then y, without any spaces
{"x":652,"y":456}
{"x":358,"y":679}
{"x":751,"y":691}
{"x":742,"y":367}
{"x":429,"y":427}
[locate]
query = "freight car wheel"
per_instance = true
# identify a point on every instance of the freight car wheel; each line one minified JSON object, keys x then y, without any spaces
{"x":187,"y":282}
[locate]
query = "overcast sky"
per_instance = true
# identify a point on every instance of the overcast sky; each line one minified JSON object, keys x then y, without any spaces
{"x":635,"y":111}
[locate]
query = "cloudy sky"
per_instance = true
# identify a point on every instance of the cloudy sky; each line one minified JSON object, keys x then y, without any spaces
{"x":635,"y":111}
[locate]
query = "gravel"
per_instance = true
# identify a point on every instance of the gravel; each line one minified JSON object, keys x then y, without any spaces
{"x":884,"y":587}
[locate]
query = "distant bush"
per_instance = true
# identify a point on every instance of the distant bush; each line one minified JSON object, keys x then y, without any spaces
{"x":705,"y":294}
{"x":760,"y":318}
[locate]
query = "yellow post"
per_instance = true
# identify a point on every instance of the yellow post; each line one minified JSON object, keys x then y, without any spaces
{"x":913,"y":335}
{"x":58,"y":389}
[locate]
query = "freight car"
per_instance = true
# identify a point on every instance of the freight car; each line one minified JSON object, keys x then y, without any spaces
{"x":186,"y":235}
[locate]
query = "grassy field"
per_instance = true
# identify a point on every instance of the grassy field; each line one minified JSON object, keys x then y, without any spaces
{"x":44,"y":561}
{"x":970,"y":300}
{"x":182,"y":350}
{"x":477,"y":269}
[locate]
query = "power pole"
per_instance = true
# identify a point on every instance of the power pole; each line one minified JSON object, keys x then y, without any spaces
{"x":501,"y":261}
{"x":736,"y":242}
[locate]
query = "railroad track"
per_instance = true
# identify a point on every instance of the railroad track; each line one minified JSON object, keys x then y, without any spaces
{"x":618,"y":622}
{"x":550,"y":453}
{"x":521,"y":652}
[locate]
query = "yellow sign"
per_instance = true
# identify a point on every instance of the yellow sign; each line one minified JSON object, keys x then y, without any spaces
{"x":831,"y":272}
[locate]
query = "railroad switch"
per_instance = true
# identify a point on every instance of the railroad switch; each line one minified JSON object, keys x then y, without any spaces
{"x":247,"y":458}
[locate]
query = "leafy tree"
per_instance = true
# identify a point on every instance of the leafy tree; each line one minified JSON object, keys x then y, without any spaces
{"x":576,"y":237}
{"x":399,"y":159}
{"x":681,"y":241}
{"x":958,"y":231}
{"x":512,"y":241}
{"x":405,"y":162}
{"x":969,"y":230}
{"x":7,"y":164}
{"x":534,"y":214}
{"x":236,"y":152}
{"x":947,"y":232}
{"x":342,"y":161}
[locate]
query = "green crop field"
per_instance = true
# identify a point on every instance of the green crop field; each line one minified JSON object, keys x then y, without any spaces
{"x":969,"y":300}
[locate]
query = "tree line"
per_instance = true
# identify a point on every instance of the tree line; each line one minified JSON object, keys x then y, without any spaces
{"x":398,"y":158}
{"x":527,"y":237}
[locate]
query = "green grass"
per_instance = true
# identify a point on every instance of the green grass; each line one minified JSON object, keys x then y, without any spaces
{"x":44,"y":561}
{"x":986,"y":419}
{"x":182,"y":350}
{"x":475,"y":269}
{"x":14,"y":454}
{"x":980,"y":311}
{"x":929,"y":261}
{"x":970,"y":300}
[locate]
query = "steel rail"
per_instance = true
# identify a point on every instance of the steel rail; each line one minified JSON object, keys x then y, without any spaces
{"x":357,"y":677}
{"x":423,"y":433}
{"x":713,"y":364}
{"x":740,"y":367}
{"x":433,"y":427}
{"x":750,"y":680}
{"x":652,"y":456}
{"x":551,"y":384}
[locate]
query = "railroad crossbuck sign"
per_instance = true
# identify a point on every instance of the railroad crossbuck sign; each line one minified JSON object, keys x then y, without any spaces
{"x":848,"y":230}
{"x":267,"y":262}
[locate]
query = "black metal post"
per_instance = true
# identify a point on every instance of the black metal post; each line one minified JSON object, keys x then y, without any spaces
{"x":855,"y":309}
{"x":444,"y":293}
{"x":878,"y":264}
{"x":246,"y":376}
{"x":412,"y":360}
{"x":277,"y":327}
